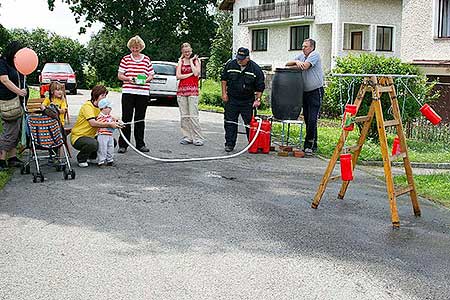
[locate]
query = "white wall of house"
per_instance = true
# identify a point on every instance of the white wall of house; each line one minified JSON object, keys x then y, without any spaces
{"x":373,"y":13}
{"x":419,"y":32}
{"x":327,"y":28}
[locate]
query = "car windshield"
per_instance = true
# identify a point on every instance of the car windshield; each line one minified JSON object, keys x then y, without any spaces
{"x":57,"y":68}
{"x":163,"y":69}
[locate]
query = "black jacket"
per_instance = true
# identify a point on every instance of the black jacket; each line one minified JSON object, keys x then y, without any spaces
{"x":242,"y":85}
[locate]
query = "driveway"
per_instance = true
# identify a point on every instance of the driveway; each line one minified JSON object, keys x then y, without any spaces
{"x":232,"y":229}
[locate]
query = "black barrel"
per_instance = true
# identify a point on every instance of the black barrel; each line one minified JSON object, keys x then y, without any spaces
{"x":287,"y":93}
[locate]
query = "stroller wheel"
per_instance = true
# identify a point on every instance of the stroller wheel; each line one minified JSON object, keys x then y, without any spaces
{"x":72,"y":174}
{"x":66,"y":174}
{"x":41,"y":176}
{"x":34,"y":178}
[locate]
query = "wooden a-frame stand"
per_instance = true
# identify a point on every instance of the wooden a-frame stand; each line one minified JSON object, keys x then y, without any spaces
{"x":376,"y":85}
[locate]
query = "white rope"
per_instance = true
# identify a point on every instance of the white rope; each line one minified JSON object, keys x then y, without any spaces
{"x":412,"y":94}
{"x":177,"y":160}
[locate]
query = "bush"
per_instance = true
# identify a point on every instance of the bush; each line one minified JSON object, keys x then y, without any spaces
{"x":348,"y":87}
{"x":211,"y":95}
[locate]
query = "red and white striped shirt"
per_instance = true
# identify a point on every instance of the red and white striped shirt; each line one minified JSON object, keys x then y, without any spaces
{"x":131,"y":67}
{"x":105,"y":119}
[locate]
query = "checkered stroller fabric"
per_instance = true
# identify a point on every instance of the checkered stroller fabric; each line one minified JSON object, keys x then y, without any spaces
{"x":45,"y":131}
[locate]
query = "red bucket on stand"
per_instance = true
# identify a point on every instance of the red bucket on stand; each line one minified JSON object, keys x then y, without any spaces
{"x":430,"y":114}
{"x":346,"y":167}
{"x":348,"y":121}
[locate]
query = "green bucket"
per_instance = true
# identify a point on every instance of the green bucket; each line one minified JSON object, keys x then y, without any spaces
{"x":140,"y":79}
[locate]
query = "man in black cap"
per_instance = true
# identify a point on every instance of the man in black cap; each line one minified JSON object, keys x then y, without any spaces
{"x":242,"y":87}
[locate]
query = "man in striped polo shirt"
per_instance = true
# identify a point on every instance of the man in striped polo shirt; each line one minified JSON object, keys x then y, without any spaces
{"x":136,"y":72}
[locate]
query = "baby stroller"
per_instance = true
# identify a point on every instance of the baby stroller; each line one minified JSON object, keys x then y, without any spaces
{"x":44,"y":132}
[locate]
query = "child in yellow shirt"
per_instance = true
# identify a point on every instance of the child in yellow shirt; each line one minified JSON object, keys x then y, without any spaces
{"x":57,"y":97}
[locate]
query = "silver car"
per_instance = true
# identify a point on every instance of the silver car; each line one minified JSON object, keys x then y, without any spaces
{"x":163,"y":87}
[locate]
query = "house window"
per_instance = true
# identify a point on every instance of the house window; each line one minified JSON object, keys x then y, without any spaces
{"x":384,"y":38}
{"x":356,"y":40}
{"x":267,"y":4}
{"x":298,"y":35}
{"x":444,"y":19}
{"x":259,"y":40}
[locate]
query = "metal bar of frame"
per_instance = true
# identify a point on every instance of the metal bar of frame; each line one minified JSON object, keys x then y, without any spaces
{"x":371,"y":75}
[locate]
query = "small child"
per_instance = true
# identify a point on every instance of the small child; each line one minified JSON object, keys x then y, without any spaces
{"x":57,"y":97}
{"x":105,"y":152}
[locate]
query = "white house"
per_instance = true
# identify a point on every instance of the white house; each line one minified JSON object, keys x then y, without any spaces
{"x":274,"y":29}
{"x":426,"y":35}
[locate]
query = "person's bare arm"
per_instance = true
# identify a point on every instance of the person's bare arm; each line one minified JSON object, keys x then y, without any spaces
{"x":121,"y":76}
{"x":224,"y":91}
{"x":4,"y":79}
{"x":97,"y":124}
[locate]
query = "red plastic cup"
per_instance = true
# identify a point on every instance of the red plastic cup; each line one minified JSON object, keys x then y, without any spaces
{"x":346,"y":167}
{"x":396,"y":146}
{"x":430,"y":114}
{"x":349,"y":114}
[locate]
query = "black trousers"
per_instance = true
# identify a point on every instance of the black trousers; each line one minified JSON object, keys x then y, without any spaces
{"x":88,"y":148}
{"x":137,"y":105}
{"x":312,"y":101}
{"x":232,"y":110}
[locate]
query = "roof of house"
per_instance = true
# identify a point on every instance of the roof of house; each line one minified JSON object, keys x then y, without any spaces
{"x":226,"y":5}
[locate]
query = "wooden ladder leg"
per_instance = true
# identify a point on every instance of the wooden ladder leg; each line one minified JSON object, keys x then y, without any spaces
{"x":404,"y":149}
{"x":361,"y":140}
{"x":329,"y":170}
{"x":386,"y":159}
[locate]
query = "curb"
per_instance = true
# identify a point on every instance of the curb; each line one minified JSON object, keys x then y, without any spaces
{"x":443,"y":166}
{"x":437,"y":166}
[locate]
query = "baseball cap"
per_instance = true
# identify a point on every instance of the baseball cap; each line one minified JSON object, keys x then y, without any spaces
{"x":104,"y":103}
{"x":242,"y":53}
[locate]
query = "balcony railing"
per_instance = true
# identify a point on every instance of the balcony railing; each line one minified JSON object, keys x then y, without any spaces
{"x":277,"y":11}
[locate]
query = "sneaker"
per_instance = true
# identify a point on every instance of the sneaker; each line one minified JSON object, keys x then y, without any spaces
{"x":92,"y":161}
{"x":198,"y":143}
{"x":101,"y":165}
{"x":143,"y":149}
{"x":110,"y":164}
{"x":122,"y":150}
{"x":229,"y":148}
{"x":83,"y":164}
{"x":308,"y":152}
{"x":185,"y":141}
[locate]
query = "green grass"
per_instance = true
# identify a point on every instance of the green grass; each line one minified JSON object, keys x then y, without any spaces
{"x":435,"y":187}
{"x":329,"y":132}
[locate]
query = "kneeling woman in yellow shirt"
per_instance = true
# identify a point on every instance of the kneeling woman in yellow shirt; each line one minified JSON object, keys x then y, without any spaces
{"x":85,"y":128}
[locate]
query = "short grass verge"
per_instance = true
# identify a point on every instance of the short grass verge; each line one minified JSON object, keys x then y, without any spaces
{"x":435,"y":187}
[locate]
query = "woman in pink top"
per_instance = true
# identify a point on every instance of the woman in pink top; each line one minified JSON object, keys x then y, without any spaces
{"x":188,"y":71}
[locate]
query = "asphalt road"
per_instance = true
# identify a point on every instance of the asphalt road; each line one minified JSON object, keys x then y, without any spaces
{"x":233,"y":229}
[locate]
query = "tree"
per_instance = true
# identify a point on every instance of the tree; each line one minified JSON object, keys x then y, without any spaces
{"x":4,"y":37}
{"x":51,"y":47}
{"x":221,"y":48}
{"x":163,"y":24}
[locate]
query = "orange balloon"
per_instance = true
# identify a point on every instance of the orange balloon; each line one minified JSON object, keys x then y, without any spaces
{"x":26,"y":61}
